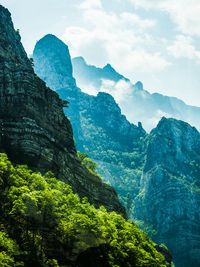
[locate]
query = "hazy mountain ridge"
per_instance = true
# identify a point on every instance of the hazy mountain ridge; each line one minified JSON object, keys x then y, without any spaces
{"x":83,"y":71}
{"x":128,"y":157}
{"x":137,"y":104}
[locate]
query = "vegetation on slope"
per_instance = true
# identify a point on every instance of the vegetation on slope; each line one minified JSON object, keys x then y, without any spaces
{"x":43,"y":223}
{"x":89,"y":164}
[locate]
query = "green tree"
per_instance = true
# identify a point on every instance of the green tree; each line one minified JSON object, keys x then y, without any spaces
{"x":45,"y":224}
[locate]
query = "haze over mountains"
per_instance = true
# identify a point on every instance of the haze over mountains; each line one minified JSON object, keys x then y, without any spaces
{"x":156,"y":175}
{"x":136,"y":102}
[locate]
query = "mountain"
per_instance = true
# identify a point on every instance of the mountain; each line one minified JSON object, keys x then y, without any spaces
{"x":94,"y":75}
{"x":34,"y":129}
{"x":139,"y":105}
{"x":100,"y":129}
{"x":155,"y":175}
{"x":44,"y":222}
{"x":169,"y":196}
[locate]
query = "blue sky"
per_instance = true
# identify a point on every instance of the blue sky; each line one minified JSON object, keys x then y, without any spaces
{"x":155,"y":41}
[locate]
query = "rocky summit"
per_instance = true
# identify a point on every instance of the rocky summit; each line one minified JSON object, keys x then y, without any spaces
{"x":169,"y":197}
{"x":34,"y":129}
{"x":156,"y":175}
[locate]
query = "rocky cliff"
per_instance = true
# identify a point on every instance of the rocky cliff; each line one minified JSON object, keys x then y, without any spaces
{"x":34,"y":129}
{"x":169,"y":198}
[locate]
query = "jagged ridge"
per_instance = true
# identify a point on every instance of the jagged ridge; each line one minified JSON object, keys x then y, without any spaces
{"x":140,"y":105}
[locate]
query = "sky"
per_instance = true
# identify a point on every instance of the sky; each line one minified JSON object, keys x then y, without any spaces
{"x":154,"y":41}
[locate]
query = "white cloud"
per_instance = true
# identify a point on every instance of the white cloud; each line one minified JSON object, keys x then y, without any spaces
{"x":148,"y":4}
{"x":185,"y":13}
{"x":123,"y":39}
{"x":89,"y":89}
{"x":183,"y":47}
{"x":88,"y":4}
{"x":120,"y":90}
{"x":124,"y":95}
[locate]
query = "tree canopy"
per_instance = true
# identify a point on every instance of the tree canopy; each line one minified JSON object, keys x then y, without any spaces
{"x":43,"y":223}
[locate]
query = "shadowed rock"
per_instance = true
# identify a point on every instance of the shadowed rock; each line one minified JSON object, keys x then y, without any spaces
{"x":33,"y":127}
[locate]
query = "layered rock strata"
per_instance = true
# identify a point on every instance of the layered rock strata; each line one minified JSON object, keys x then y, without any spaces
{"x":33,"y":127}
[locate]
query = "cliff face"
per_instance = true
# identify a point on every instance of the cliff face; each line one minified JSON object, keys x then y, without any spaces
{"x":60,"y":56}
{"x":34,"y":129}
{"x":53,"y":58}
{"x":169,"y":198}
{"x":105,"y":115}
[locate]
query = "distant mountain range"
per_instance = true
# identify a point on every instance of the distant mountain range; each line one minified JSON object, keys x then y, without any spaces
{"x":137,"y":104}
{"x":92,"y":75}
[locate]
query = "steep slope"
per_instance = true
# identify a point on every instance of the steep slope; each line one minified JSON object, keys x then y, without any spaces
{"x":169,"y":198}
{"x":34,"y":129}
{"x":140,"y":105}
{"x":156,"y":175}
{"x":100,"y":129}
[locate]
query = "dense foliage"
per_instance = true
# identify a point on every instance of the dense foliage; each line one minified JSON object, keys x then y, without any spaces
{"x":43,"y":223}
{"x":89,"y":164}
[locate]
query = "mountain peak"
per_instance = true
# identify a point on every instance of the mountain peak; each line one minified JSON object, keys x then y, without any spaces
{"x":79,"y":59}
{"x":52,"y":41}
{"x":109,"y":67}
{"x":139,"y":86}
{"x":177,"y":132}
{"x":51,"y":37}
{"x":171,"y":122}
{"x":87,"y":74}
{"x":51,"y":53}
{"x":5,"y":10}
{"x":10,"y":36}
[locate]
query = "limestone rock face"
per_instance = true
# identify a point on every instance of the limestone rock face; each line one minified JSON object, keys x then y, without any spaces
{"x":103,"y":112}
{"x":33,"y":127}
{"x":61,"y":59}
{"x":52,"y":63}
{"x":169,"y":198}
